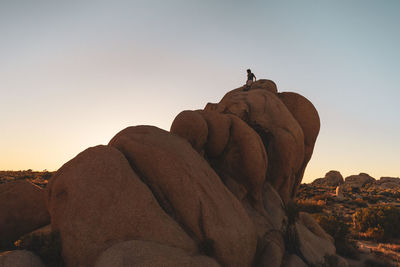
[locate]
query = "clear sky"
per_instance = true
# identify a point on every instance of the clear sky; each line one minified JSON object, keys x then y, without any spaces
{"x":74,"y":73}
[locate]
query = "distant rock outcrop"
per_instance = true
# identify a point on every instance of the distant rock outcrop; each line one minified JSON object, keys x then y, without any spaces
{"x":388,"y":183}
{"x":332,"y":178}
{"x":357,"y":181}
{"x":214,"y":191}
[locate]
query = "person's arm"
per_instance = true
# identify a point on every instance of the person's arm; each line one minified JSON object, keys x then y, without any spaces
{"x":255,"y":79}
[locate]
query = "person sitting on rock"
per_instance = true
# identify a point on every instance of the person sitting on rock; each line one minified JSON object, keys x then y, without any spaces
{"x":250,"y":77}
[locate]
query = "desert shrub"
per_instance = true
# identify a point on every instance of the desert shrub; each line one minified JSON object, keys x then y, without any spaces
{"x":46,"y":246}
{"x":379,"y":222}
{"x":360,"y":203}
{"x":355,"y":190}
{"x":372,"y":200}
{"x":47,"y":175}
{"x":324,"y":197}
{"x":340,"y":232}
{"x":393,"y":247}
{"x":311,"y":205}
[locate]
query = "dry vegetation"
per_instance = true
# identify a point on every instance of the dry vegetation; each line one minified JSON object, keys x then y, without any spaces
{"x":36,"y":177}
{"x":364,"y":223}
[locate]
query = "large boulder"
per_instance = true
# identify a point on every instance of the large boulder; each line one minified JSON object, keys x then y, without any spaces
{"x":20,"y":258}
{"x":140,"y":253}
{"x":357,"y":181}
{"x":96,"y":200}
{"x":22,"y":209}
{"x":312,"y":225}
{"x":191,"y":192}
{"x":307,"y":116}
{"x":292,"y":260}
{"x":272,"y":247}
{"x":332,"y":178}
{"x":232,"y":148}
{"x":287,"y":124}
{"x":275,"y":207}
{"x":313,"y":248}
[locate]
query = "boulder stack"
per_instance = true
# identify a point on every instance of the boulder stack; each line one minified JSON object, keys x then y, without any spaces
{"x":214,"y":191}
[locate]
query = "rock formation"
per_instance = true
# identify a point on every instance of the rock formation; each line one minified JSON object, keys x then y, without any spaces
{"x":357,"y":181}
{"x":22,"y":209}
{"x":332,"y":178}
{"x":214,"y":191}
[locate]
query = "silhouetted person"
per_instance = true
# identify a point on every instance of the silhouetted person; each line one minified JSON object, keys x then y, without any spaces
{"x":250,"y":77}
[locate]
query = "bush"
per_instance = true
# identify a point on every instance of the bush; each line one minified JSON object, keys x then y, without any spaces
{"x":340,"y":232}
{"x":360,"y":203}
{"x":324,"y":197}
{"x":380,"y":223}
{"x":311,"y":205}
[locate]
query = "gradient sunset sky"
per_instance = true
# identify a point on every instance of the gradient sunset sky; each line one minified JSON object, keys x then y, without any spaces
{"x":74,"y":73}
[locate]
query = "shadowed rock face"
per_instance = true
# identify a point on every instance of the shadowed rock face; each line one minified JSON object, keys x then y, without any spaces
{"x":211,"y":192}
{"x":22,"y":209}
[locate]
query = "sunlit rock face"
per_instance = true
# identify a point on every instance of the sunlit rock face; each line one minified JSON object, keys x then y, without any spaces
{"x":213,"y":191}
{"x":285,"y":125}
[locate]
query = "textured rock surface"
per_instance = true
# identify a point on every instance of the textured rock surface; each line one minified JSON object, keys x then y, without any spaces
{"x":273,"y":249}
{"x":96,"y":200}
{"x":312,"y":247}
{"x":332,"y":178}
{"x":287,"y":124}
{"x":145,"y":253}
{"x":190,"y":191}
{"x":22,"y":209}
{"x":232,"y":148}
{"x":307,"y":117}
{"x":211,"y":192}
{"x":388,"y":183}
{"x":358,"y":181}
{"x":293,"y":260}
{"x":20,"y":258}
{"x":312,"y":225}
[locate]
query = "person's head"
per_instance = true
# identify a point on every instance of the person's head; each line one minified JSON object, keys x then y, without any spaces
{"x":248,"y":71}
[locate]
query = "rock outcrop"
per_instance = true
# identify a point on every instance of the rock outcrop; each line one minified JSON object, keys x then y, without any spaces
{"x":332,"y":178}
{"x":22,"y":209}
{"x":286,"y":123}
{"x":96,"y":200}
{"x":357,"y":181}
{"x":213,"y":191}
{"x":390,"y":183}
